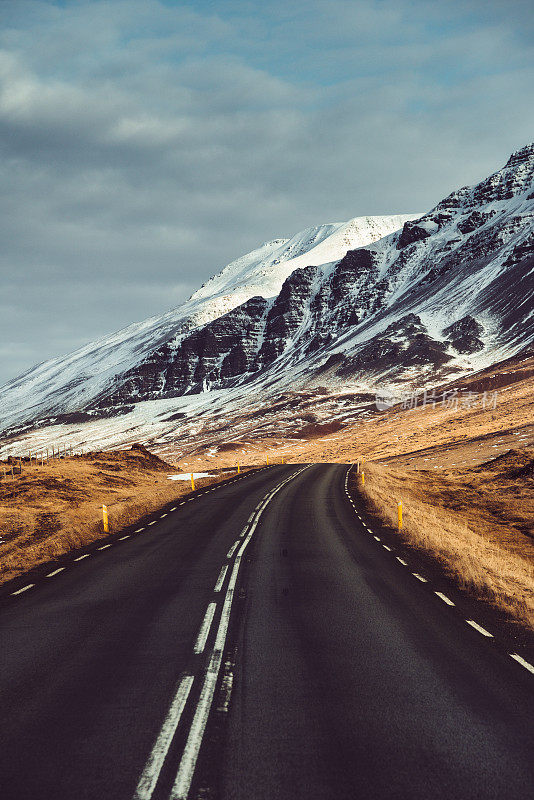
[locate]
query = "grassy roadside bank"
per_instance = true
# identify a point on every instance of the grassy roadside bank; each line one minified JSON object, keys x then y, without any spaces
{"x":475,"y":523}
{"x":51,"y":510}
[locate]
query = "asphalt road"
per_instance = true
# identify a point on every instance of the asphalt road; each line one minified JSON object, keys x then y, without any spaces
{"x":256,"y":643}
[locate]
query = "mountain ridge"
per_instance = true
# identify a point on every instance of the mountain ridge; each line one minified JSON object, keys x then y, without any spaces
{"x":72,"y":377}
{"x":405,"y":299}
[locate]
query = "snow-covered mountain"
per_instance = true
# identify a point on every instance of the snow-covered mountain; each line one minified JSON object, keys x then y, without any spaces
{"x":75,"y":381}
{"x":404,"y":299}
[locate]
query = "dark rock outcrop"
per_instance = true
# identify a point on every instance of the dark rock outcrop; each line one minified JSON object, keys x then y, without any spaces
{"x":438,"y":253}
{"x":465,"y":334}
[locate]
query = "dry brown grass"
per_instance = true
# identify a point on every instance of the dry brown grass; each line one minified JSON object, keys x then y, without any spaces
{"x":443,"y":435}
{"x":484,"y":551}
{"x":54,"y":509}
{"x":477,"y":519}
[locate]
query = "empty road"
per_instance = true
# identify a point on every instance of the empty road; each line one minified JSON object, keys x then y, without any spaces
{"x":261,"y":641}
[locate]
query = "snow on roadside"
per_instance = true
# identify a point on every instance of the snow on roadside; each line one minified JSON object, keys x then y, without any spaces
{"x":186,"y":476}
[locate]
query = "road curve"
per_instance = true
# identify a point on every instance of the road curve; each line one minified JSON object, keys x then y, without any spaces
{"x":257,"y":643}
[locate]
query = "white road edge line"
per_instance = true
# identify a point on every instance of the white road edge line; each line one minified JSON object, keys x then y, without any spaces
{"x":419,"y":577}
{"x":522,"y":661}
{"x":220,"y":579}
{"x":204,"y":631}
{"x":444,"y":598}
{"x":149,"y":777}
{"x":186,"y":770}
{"x":24,"y":588}
{"x":479,"y":628}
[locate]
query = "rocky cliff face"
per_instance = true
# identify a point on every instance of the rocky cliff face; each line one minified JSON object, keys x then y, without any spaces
{"x":177,"y":352}
{"x":395,"y":299}
{"x":415,"y":285}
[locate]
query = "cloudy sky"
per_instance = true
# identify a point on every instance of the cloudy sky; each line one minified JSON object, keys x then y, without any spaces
{"x":146,"y":143}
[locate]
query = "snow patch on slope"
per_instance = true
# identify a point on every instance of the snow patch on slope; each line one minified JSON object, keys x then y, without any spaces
{"x":73,"y":381}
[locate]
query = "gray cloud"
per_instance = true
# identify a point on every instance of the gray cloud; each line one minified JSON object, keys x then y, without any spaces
{"x":144,"y":145}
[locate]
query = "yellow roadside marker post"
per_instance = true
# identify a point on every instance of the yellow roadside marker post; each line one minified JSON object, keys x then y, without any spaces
{"x":267,"y":460}
{"x":399,"y":511}
{"x":192,"y":482}
{"x":363,"y":478}
{"x":105,"y":519}
{"x":238,"y":469}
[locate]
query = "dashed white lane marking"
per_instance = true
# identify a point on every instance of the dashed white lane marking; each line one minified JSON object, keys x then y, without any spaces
{"x":232,"y":550}
{"x":182,"y":503}
{"x":173,"y":508}
{"x":139,"y":530}
{"x":479,"y":628}
{"x":55,"y":572}
{"x":220,"y":579}
{"x":444,"y":598}
{"x":522,"y":661}
{"x":122,"y":538}
{"x":104,"y":547}
{"x":163,"y":515}
{"x":204,"y":632}
{"x":149,"y":778}
{"x":186,"y":770}
{"x":80,"y":558}
{"x":152,"y":523}
{"x":419,"y":577}
{"x":24,"y":588}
